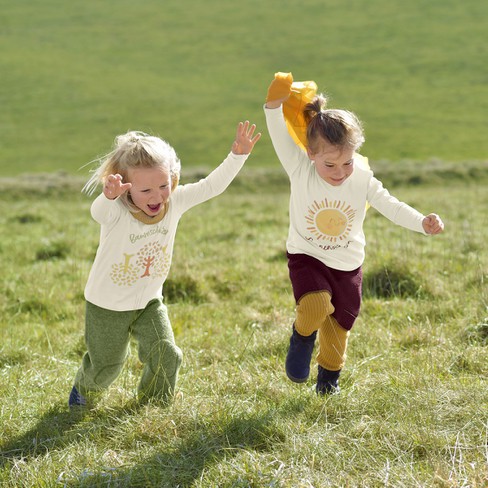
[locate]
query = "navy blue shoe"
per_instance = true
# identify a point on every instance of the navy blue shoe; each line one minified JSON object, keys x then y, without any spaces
{"x":299,"y":355}
{"x":76,"y":399}
{"x":327,"y":382}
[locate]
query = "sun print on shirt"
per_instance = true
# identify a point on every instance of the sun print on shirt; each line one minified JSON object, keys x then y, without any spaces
{"x":330,"y":220}
{"x":152,"y":260}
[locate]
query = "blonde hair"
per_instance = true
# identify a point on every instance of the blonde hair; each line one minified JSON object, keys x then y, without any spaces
{"x":336,"y":126}
{"x":135,"y":150}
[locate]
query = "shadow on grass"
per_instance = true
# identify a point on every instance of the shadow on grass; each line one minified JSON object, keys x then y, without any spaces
{"x":49,"y":433}
{"x":179,"y":463}
{"x":187,"y":459}
{"x":57,"y":429}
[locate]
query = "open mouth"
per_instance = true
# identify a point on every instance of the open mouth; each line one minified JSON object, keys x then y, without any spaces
{"x":154,"y":208}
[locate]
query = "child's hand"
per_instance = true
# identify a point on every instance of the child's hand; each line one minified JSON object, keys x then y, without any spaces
{"x":245,"y":140}
{"x":279,"y":90}
{"x":113,"y":187}
{"x":433,"y":224}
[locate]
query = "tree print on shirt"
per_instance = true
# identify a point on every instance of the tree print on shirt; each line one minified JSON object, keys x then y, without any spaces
{"x":330,"y":220}
{"x":152,"y":261}
{"x":124,"y":273}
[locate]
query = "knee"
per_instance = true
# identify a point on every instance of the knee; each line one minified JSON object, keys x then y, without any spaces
{"x":313,"y":309}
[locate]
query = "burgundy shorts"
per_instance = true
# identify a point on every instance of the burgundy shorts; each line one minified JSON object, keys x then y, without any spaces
{"x":308,"y":274}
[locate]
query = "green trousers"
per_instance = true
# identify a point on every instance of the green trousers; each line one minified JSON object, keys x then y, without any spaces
{"x":107,"y":336}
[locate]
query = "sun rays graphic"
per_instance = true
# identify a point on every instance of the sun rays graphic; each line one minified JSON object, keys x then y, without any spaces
{"x":330,"y":220}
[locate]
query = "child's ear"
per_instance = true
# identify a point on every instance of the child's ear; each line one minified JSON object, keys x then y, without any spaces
{"x":311,"y":155}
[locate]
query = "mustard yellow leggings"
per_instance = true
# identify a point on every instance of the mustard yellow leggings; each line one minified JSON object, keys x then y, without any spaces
{"x":314,"y":313}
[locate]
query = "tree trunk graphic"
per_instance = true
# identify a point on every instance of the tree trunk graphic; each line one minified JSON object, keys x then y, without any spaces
{"x":126,"y":263}
{"x":148,"y":258}
{"x":147,"y":262}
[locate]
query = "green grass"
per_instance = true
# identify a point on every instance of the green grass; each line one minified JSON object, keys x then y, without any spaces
{"x":75,"y":74}
{"x":413,"y":407}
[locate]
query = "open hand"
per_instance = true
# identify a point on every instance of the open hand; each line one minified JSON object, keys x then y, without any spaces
{"x":113,"y":186}
{"x":245,"y":138}
{"x":433,"y":224}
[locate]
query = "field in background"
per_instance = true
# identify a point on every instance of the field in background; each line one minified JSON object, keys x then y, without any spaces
{"x":415,"y":388}
{"x":75,"y":74}
{"x":413,"y":409}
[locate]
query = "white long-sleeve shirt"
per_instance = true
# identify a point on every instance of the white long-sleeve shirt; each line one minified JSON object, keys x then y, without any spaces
{"x":133,"y":258}
{"x":326,"y":221}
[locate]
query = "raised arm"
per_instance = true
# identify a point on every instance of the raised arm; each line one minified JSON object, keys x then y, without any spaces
{"x":291,"y":156}
{"x":191,"y":194}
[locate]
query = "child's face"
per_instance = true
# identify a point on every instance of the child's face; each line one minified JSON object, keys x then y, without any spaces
{"x":333,"y":164}
{"x":151,"y":189}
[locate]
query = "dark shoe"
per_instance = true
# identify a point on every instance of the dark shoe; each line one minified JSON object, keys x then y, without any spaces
{"x":76,"y":399}
{"x":299,"y":355}
{"x":327,"y":382}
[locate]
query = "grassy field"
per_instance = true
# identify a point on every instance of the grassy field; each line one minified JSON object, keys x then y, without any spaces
{"x":413,"y":408}
{"x":413,"y":411}
{"x":75,"y":74}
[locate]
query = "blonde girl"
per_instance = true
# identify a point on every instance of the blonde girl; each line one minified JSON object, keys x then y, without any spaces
{"x":138,"y":212}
